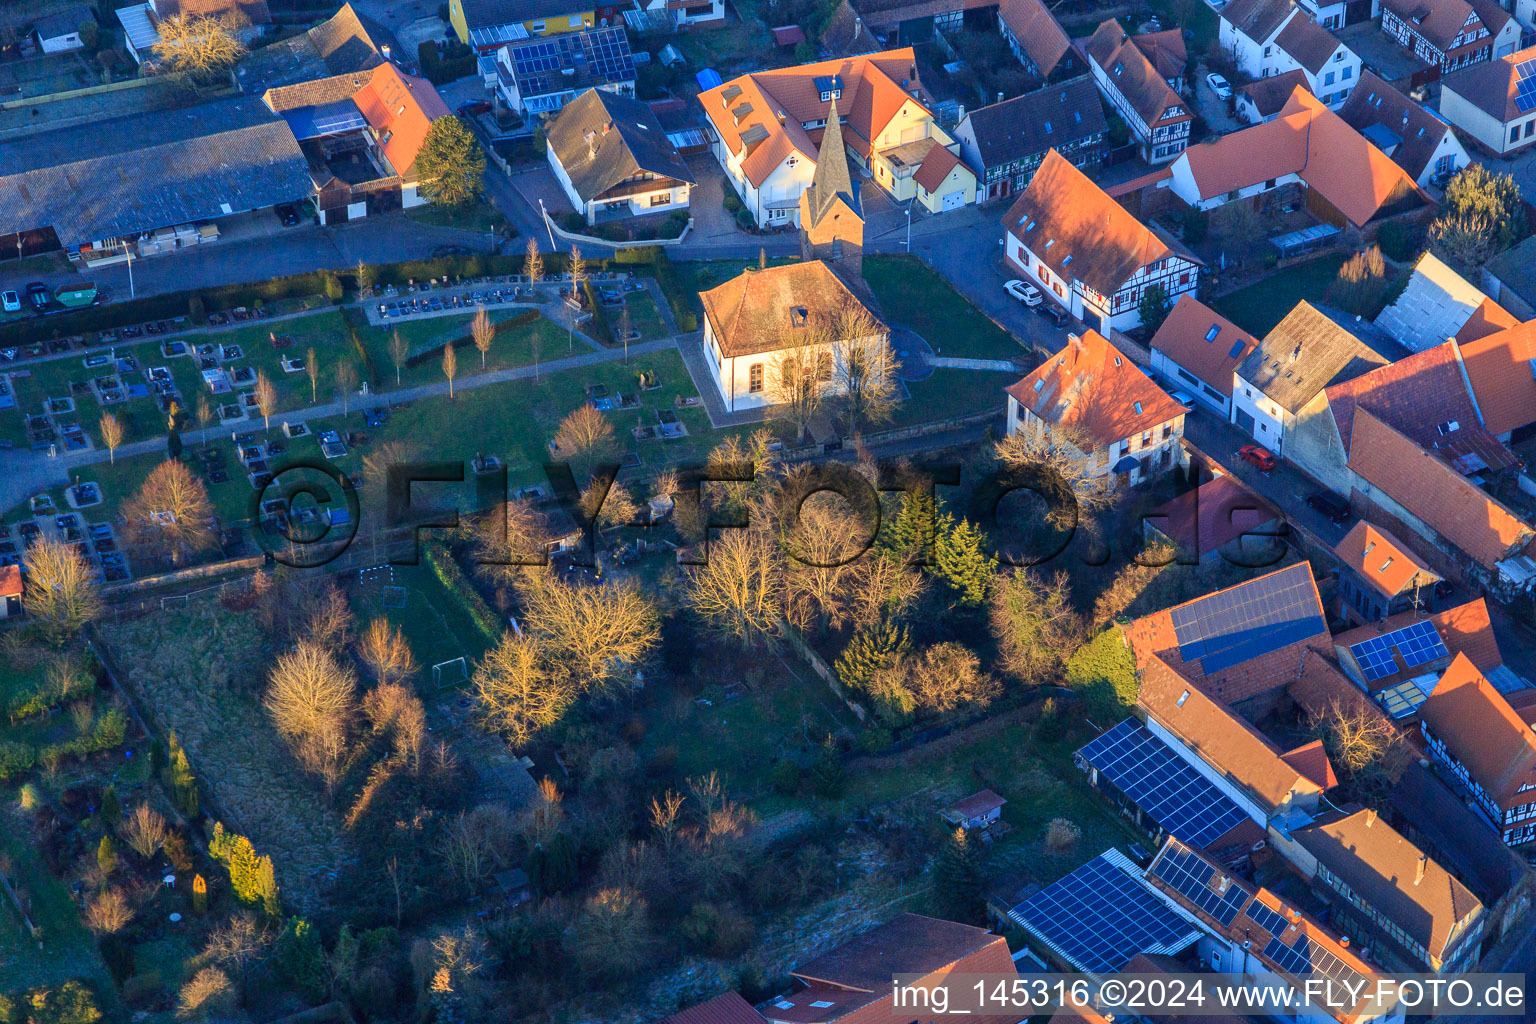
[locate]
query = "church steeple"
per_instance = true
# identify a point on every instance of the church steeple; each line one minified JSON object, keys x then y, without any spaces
{"x":831,"y":219}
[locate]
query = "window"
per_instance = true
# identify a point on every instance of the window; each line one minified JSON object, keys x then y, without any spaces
{"x":755,"y":378}
{"x":1268,"y":50}
{"x":1328,"y":78}
{"x":1347,"y":73}
{"x":574,"y":21}
{"x":1269,"y":184}
{"x":1530,"y":126}
{"x":536,"y":28}
{"x":661,"y":199}
{"x":1514,"y":134}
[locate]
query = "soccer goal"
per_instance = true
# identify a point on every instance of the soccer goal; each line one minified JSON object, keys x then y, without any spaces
{"x":450,"y":673}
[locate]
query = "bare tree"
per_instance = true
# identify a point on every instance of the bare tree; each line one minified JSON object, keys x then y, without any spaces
{"x":739,"y":591}
{"x":210,"y":995}
{"x":800,"y":374}
{"x":239,"y":943}
{"x":61,"y":592}
{"x":1130,"y":583}
{"x":941,"y":678}
{"x":824,"y":538}
{"x":392,"y":708}
{"x":450,"y":365}
{"x":577,"y":267}
{"x":586,"y":437}
{"x":599,"y":633}
{"x":1363,"y":744}
{"x":399,"y":352}
{"x":111,"y":435}
{"x":266,"y":398}
{"x":373,"y":495}
{"x":664,"y":818}
{"x":483,"y":331}
{"x":863,"y":366}
{"x":312,"y":368}
{"x":345,"y":374}
{"x":613,"y":938}
{"x":109,"y":912}
{"x":383,"y":648}
{"x":322,"y":614}
{"x":617,"y":507}
{"x":171,"y":512}
{"x":1067,"y":453}
{"x":204,"y":418}
{"x":533,"y":263}
{"x":518,"y":691}
{"x":509,"y":539}
{"x":311,"y":698}
{"x":144,"y":831}
{"x":202,"y":47}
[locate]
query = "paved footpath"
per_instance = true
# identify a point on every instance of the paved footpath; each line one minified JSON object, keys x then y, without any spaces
{"x":24,"y":473}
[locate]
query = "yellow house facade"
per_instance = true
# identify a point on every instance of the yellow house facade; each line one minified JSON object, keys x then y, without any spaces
{"x":538,"y":18}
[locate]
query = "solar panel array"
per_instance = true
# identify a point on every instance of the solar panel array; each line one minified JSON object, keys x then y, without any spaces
{"x":1304,"y":959}
{"x":1197,"y":881}
{"x":603,"y":54}
{"x":1182,"y":801}
{"x":1234,"y":625}
{"x":1416,"y":644}
{"x":1267,"y":918}
{"x":1099,"y":916}
{"x":1525,"y":85}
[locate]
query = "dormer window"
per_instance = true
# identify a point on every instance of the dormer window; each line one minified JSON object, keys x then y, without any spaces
{"x":1448,"y":427}
{"x":1210,"y":335}
{"x":1119,"y":69}
{"x":798,"y":316}
{"x":1067,"y":260}
{"x":1047,"y":127}
{"x":1369,"y":548}
{"x":1182,"y":698}
{"x":1050,"y":243}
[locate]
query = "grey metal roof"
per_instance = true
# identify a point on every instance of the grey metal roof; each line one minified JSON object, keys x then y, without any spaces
{"x":601,"y":139}
{"x":129,"y":175}
{"x":342,"y":44}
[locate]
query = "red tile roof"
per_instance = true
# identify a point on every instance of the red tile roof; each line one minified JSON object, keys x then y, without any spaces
{"x":935,"y":168}
{"x":1186,"y":337}
{"x":1165,"y":50}
{"x":1134,"y":77}
{"x":1481,"y":730}
{"x":256,"y":11}
{"x":1217,"y":512}
{"x":1039,"y":34}
{"x":1466,"y":629}
{"x":1311,"y":761}
{"x":401,"y":109}
{"x":1488,"y":318}
{"x":983,"y":802}
{"x":1094,"y":390}
{"x":1382,"y":560}
{"x":10,"y":581}
{"x":1270,"y":95}
{"x":1312,"y":142}
{"x":1064,"y":218}
{"x":1442,"y":22}
{"x":1444,"y":500}
{"x":729,"y":1008}
{"x":872,"y":94}
{"x":788,"y":35}
{"x":1493,"y":86}
{"x":751,"y":312}
{"x":1502,"y":368}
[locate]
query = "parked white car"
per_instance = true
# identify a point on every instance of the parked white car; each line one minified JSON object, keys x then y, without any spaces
{"x":1025,"y":293}
{"x":1184,"y":398}
{"x":11,"y":301}
{"x":1220,"y":86}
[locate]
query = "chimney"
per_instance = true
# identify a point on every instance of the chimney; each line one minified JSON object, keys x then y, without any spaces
{"x":1418,"y":875}
{"x":1370,"y":818}
{"x":999,"y":95}
{"x":1295,"y":351}
{"x":1344,"y":941}
{"x":607,"y":127}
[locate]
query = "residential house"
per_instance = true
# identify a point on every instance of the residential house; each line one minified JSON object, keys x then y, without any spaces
{"x":1434,"y":305}
{"x":343,"y":44}
{"x":1420,"y":143}
{"x":11,"y":591}
{"x":1274,"y":37}
{"x":1450,"y":35}
{"x":486,"y":25}
{"x":1253,"y":935}
{"x":1463,"y":629}
{"x":1501,"y":369}
{"x":1038,"y":40}
{"x":756,"y":314}
{"x":1471,"y":729}
{"x":944,"y":182}
{"x":1379,"y":575}
{"x":1281,"y":382}
{"x":612,"y":158}
{"x":1167,"y":53}
{"x":537,"y":77}
{"x":1218,"y":521}
{"x":1087,"y":253}
{"x":1488,"y":318}
{"x":1492,"y":102}
{"x":978,"y":810}
{"x":1197,"y":350}
{"x":1463,"y":530}
{"x":728,"y":1008}
{"x":1156,"y":115}
{"x":360,"y":134}
{"x":852,"y":982}
{"x":677,"y":15}
{"x":151,"y":174}
{"x":59,"y":31}
{"x":913,"y":22}
{"x":1006,"y":142}
{"x":1306,"y":156}
{"x":1509,"y":279}
{"x":1423,"y":395}
{"x":1387,"y":894}
{"x":141,"y":22}
{"x":1090,"y":402}
{"x":1241,"y":661}
{"x":1264,"y":98}
{"x":846,"y":34}
{"x":765,"y":128}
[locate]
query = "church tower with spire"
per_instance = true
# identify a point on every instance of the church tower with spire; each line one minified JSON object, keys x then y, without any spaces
{"x":831,"y":219}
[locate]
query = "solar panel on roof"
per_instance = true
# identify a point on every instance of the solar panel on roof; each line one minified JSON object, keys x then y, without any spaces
{"x":1099,"y":916}
{"x":1416,"y":644}
{"x":1251,"y":619}
{"x":1201,"y":884}
{"x":1305,"y":958}
{"x":1267,"y":918}
{"x":1179,"y":799}
{"x":1525,"y":85}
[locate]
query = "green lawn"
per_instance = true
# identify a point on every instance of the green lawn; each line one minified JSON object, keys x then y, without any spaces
{"x":68,"y":949}
{"x":478,"y":216}
{"x":433,"y":620}
{"x":1260,"y":306}
{"x":912,"y":295}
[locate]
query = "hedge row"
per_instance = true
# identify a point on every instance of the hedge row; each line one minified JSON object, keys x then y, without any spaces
{"x":523,"y":319}
{"x":16,"y":758}
{"x":448,"y":572}
{"x":598,"y":328}
{"x":49,"y":695}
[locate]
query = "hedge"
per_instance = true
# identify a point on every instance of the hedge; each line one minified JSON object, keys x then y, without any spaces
{"x":45,"y":697}
{"x":370,"y":372}
{"x":678,"y":295}
{"x":598,"y":328}
{"x":108,"y":732}
{"x":523,"y":319}
{"x":448,"y":572}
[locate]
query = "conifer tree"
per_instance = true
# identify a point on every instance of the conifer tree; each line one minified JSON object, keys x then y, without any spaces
{"x":959,"y":878}
{"x":868,"y":652}
{"x":106,"y":855}
{"x":961,"y":562}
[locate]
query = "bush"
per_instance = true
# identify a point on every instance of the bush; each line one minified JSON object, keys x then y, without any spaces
{"x":1196,"y":224}
{"x":745,"y":220}
{"x":731,"y":203}
{"x":785,"y":777}
{"x":574,"y":222}
{"x":1104,"y":672}
{"x":598,"y":326}
{"x":16,"y":758}
{"x":1401,"y":241}
{"x":331,"y":284}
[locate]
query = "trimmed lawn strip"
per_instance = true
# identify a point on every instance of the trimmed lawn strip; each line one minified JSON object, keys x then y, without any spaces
{"x":914,"y":296}
{"x":1258,"y":307}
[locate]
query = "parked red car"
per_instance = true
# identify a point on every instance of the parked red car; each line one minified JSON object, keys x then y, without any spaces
{"x":1263,"y":458}
{"x":473,"y":107}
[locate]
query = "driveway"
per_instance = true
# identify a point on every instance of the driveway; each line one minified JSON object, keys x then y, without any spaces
{"x":1214,"y":109}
